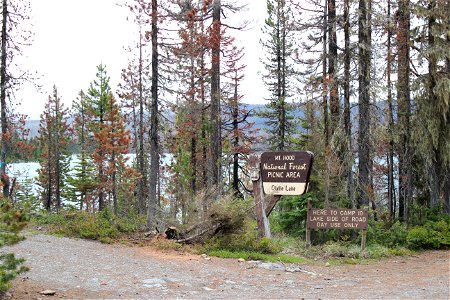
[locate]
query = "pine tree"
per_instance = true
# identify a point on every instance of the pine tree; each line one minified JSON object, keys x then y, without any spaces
{"x":11,"y":222}
{"x":54,"y":138}
{"x":114,"y":140}
{"x":97,"y":107}
{"x":430,"y":124}
{"x":13,"y":16}
{"x":83,"y":180}
{"x":278,"y":74}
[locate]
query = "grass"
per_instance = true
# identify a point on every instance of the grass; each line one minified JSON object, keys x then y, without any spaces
{"x":250,"y":255}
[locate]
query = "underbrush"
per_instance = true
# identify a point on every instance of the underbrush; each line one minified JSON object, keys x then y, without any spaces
{"x":102,"y":226}
{"x":384,"y":239}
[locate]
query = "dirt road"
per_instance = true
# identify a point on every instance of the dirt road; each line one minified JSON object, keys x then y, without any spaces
{"x":79,"y":269}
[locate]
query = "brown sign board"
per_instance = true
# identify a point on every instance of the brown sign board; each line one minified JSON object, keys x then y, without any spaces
{"x":286,"y":173}
{"x":337,"y":218}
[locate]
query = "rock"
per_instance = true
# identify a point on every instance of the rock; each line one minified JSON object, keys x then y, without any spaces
{"x":327,"y":264}
{"x":48,"y":293}
{"x":272,"y":266}
{"x":298,"y":269}
{"x":241,"y":260}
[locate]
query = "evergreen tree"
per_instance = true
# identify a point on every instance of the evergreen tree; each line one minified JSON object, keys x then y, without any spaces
{"x":279,"y":72}
{"x":11,"y":222}
{"x":83,"y":180}
{"x":54,"y":138}
{"x":13,"y":16}
{"x":430,"y":124}
{"x":97,"y":107}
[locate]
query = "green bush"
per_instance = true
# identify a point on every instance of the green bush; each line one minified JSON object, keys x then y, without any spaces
{"x":103,"y":226}
{"x":433,"y":235}
{"x":246,"y":239}
{"x":291,"y":216}
{"x":11,"y":222}
{"x":387,"y":234}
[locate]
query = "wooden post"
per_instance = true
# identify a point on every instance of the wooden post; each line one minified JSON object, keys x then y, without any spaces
{"x":308,"y":231}
{"x":363,"y":243}
{"x":258,"y":194}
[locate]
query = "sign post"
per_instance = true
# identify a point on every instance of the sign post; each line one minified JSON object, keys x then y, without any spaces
{"x":276,"y":174}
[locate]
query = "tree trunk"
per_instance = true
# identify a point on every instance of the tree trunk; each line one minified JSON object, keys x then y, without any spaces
{"x":390,"y":158}
{"x":404,"y":108}
{"x":364,"y":46}
{"x":347,"y":112}
{"x":3,"y":108}
{"x":154,"y":150}
{"x":215,"y":148}
{"x":142,"y":181}
{"x":332,"y":65}
{"x":57,"y":154}
{"x":325,"y":103}
{"x":235,"y":115}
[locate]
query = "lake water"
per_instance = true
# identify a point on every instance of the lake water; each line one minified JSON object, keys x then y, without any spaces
{"x":26,"y":171}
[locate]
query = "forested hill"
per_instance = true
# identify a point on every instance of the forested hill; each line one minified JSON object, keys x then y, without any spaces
{"x":255,"y":109}
{"x":254,"y":117}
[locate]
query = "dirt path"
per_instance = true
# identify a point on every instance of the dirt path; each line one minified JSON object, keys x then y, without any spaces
{"x":79,"y":269}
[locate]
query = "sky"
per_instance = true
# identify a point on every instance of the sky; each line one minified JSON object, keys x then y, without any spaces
{"x":72,"y":37}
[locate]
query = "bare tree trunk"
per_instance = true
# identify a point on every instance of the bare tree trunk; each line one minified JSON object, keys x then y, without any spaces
{"x":364,"y":162}
{"x":235,"y":115}
{"x":325,"y":103}
{"x":390,"y":160}
{"x":4,"y":121}
{"x":347,"y":112}
{"x":215,"y":148}
{"x":332,"y":65}
{"x":404,"y":108}
{"x":142,"y":181}
{"x":154,"y":151}
{"x":57,"y":155}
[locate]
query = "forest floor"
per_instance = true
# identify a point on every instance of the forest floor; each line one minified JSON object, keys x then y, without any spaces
{"x":80,"y":269}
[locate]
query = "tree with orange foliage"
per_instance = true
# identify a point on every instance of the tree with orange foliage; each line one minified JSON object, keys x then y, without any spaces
{"x":112,"y":142}
{"x":54,"y":136}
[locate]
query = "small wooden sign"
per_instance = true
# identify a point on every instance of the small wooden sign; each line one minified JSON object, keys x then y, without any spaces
{"x":337,"y":218}
{"x":286,"y":173}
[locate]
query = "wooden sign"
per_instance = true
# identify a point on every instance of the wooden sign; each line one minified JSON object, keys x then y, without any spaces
{"x":286,"y":173}
{"x":337,"y":218}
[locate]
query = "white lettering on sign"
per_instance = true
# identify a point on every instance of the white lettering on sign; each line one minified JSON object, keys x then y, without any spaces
{"x":337,"y":218}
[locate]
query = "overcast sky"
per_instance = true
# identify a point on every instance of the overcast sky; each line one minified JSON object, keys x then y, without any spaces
{"x":72,"y":37}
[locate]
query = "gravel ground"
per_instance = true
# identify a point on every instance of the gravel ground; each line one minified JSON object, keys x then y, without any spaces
{"x":80,"y":269}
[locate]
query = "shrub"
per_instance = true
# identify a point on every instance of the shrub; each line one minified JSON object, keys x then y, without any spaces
{"x":11,"y":222}
{"x":103,"y":226}
{"x":433,"y":235}
{"x":387,"y":234}
{"x":244,"y":240}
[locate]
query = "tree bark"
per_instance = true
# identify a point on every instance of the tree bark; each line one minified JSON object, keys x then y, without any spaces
{"x":3,"y":81}
{"x":332,"y":65}
{"x":390,"y":158}
{"x":154,"y":147}
{"x":364,"y":45}
{"x":404,"y":108}
{"x":347,"y":112}
{"x":215,"y":148}
{"x":142,"y":181}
